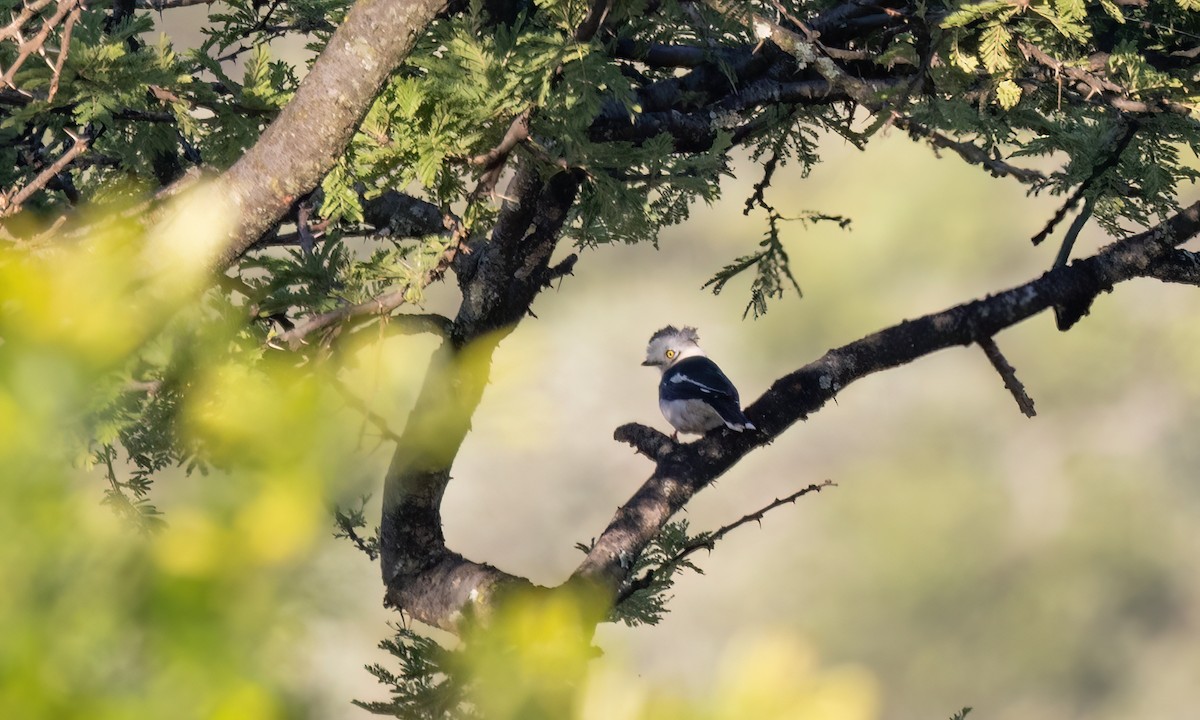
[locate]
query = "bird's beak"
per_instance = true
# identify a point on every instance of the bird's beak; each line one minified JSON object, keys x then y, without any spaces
{"x":649,"y":363}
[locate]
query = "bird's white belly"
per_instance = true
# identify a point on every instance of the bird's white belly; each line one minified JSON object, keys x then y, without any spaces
{"x":690,"y":416}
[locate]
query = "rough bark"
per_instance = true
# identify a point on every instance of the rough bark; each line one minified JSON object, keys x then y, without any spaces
{"x":499,"y":279}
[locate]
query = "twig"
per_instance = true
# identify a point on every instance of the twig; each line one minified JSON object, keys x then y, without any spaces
{"x":373,"y":417}
{"x":1064,"y":251}
{"x":806,"y":49}
{"x":10,"y":202}
{"x":64,"y":47}
{"x":708,"y":541}
{"x":493,"y":160}
{"x":1008,"y":374}
{"x":1128,"y":131}
{"x":379,"y":305}
{"x":26,"y":47}
{"x":971,"y":153}
{"x":1090,"y":85}
{"x":348,"y":522}
{"x":760,"y":187}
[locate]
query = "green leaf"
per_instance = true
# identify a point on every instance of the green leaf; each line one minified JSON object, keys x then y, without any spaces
{"x":994,"y":47}
{"x":1008,"y":94}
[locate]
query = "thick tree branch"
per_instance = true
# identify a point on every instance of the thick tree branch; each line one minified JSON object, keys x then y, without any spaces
{"x":1181,"y":266}
{"x":499,"y":279}
{"x":309,"y":135}
{"x":682,"y":470}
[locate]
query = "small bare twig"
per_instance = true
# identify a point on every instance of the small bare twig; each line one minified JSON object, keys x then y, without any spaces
{"x":380,"y":305}
{"x":971,"y":153}
{"x":1008,"y":374}
{"x":370,"y":415}
{"x":758,"y":198}
{"x":63,"y":48}
{"x":708,"y":541}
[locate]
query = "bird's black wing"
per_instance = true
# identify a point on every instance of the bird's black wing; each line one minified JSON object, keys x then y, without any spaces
{"x":698,"y":378}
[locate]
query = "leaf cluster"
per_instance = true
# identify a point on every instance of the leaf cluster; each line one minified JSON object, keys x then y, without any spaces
{"x":644,"y":599}
{"x":427,"y":686}
{"x":1061,"y":80}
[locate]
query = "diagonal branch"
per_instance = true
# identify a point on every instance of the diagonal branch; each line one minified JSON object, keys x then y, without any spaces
{"x":305,"y":141}
{"x":971,"y":153}
{"x":11,"y":202}
{"x":708,"y":541}
{"x":683,"y":470}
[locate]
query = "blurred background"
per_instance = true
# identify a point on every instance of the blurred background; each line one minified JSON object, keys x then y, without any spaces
{"x":1031,"y":568}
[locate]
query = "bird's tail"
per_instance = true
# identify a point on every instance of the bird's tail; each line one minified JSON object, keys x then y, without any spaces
{"x":737,"y":420}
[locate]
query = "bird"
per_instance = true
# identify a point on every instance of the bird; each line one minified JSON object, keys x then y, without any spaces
{"x":694,"y":395}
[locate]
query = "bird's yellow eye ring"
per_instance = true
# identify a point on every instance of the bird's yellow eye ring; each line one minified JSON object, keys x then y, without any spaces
{"x":670,"y":354}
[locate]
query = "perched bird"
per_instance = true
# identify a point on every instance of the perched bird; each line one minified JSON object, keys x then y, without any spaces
{"x":694,"y":395}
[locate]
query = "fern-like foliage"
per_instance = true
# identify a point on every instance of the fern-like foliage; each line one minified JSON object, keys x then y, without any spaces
{"x":427,"y":685}
{"x":772,"y":268}
{"x":644,"y":599}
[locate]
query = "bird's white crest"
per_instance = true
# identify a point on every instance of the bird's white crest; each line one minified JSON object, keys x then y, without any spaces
{"x":671,"y":344}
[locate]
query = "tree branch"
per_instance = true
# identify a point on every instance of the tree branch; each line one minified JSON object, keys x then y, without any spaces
{"x":1090,"y":85}
{"x":683,"y":470}
{"x":708,"y":541}
{"x":380,"y":305}
{"x":310,"y":133}
{"x":499,"y":281}
{"x":10,"y":203}
{"x":971,"y":153}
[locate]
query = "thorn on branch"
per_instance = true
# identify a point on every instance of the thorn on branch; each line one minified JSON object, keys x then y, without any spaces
{"x":1008,"y":374}
{"x":708,"y":541}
